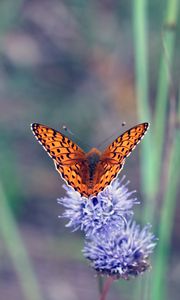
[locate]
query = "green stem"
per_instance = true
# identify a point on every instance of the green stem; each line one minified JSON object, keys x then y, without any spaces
{"x":165,"y":229}
{"x":142,"y":91}
{"x":169,"y":33}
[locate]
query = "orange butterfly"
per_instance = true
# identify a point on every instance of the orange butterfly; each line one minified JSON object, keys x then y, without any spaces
{"x":88,"y":173}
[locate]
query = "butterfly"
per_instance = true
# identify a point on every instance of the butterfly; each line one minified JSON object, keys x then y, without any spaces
{"x":88,"y":173}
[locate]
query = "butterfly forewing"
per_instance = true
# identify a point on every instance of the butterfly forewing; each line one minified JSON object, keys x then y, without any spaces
{"x":113,"y":158}
{"x":58,"y":146}
{"x":125,"y":143}
{"x":67,"y":156}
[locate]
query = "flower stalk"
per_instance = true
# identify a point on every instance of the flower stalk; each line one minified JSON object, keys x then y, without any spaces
{"x":106,"y":287}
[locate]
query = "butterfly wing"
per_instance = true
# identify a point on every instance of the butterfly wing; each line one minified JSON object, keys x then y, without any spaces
{"x":69,"y":158}
{"x":113,"y":158}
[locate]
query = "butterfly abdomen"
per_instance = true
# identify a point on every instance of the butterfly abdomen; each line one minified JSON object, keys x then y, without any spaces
{"x":93,"y":158}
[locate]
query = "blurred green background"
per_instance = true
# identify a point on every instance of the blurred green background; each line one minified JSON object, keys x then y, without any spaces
{"x":89,"y":65}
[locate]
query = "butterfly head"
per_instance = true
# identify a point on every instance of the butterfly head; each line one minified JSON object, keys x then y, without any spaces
{"x":93,"y":155}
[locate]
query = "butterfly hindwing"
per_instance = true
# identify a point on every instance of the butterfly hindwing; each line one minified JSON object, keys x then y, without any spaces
{"x":73,"y":176}
{"x":108,"y":173}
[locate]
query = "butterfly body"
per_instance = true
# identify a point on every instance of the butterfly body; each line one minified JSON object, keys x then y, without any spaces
{"x":88,"y":173}
{"x":93,"y":157}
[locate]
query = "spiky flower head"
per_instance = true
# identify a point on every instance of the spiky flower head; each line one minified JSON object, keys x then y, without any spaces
{"x":102,"y":214}
{"x":121,"y":254}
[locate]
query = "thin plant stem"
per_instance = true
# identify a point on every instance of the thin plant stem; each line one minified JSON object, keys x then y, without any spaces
{"x":169,"y":34}
{"x":106,"y":287}
{"x":168,"y":181}
{"x":165,"y":229}
{"x":142,"y":91}
{"x":171,"y":181}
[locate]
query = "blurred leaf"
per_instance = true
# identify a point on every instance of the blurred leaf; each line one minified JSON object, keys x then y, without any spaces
{"x":9,"y":11}
{"x":17,"y":251}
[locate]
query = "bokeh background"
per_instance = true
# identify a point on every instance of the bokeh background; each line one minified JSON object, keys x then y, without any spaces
{"x":90,"y":65}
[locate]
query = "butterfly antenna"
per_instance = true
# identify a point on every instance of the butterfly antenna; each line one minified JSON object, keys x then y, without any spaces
{"x":123,"y":123}
{"x":110,"y":137}
{"x":65,"y":128}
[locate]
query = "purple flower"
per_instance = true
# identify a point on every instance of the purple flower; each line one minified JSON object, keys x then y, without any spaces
{"x":109,"y":211}
{"x":122,"y":253}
